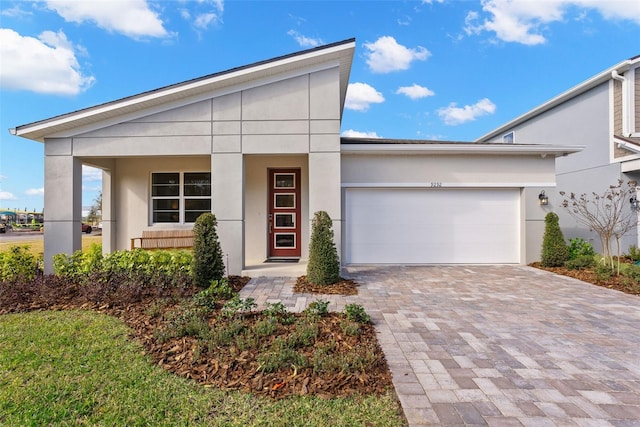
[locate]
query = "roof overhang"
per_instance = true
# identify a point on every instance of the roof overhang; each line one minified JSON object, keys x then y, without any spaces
{"x":371,"y":146}
{"x":563,"y":97}
{"x":338,"y":54}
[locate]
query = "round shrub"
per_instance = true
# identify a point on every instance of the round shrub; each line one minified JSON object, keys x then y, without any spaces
{"x":554,"y":248}
{"x":324,"y":265}
{"x":208,"y":263}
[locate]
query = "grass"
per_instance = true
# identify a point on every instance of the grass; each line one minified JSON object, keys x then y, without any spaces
{"x":36,"y":245}
{"x":80,"y":367}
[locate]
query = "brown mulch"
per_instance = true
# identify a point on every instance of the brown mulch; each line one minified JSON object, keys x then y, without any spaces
{"x":228,"y":367}
{"x":617,"y":282}
{"x":343,"y":287}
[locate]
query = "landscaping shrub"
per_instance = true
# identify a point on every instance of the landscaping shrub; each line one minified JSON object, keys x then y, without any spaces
{"x":356,"y":313}
{"x":634,"y":253}
{"x":208,"y":263}
{"x":162,"y":268}
{"x":579,"y":247}
{"x":17,"y":264}
{"x":324,"y":265}
{"x":581,"y":262}
{"x":633,"y":271}
{"x":554,"y":248}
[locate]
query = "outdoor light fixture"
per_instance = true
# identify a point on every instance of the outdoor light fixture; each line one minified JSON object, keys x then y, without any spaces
{"x":635,"y":204}
{"x":543,"y":198}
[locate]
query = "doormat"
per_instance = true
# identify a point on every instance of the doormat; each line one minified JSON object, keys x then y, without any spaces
{"x":286,"y":260}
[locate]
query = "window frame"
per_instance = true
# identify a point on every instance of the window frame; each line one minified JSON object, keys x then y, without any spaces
{"x":181,"y":197}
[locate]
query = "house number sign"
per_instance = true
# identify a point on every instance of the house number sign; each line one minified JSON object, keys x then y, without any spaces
{"x":436,"y":184}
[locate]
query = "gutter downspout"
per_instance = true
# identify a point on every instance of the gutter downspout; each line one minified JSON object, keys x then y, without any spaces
{"x":616,"y":76}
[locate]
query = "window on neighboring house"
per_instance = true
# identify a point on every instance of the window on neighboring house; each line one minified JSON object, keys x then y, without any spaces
{"x":509,"y":138}
{"x":179,"y":197}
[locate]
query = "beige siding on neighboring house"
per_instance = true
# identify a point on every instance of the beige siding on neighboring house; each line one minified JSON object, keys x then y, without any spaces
{"x":617,"y":119}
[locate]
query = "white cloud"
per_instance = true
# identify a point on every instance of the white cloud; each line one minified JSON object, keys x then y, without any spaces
{"x":47,"y":64}
{"x":91,"y":174}
{"x":524,"y":21}
{"x":133,"y":18}
{"x":386,"y":55}
{"x":350,"y":133}
{"x":15,"y":12}
{"x":35,"y":192}
{"x":204,"y":13}
{"x":454,"y":115}
{"x":304,"y":41}
{"x":360,"y":96}
{"x":5,"y":195}
{"x":415,"y":91}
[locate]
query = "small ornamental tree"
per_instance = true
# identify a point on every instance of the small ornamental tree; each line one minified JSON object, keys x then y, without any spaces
{"x":208,"y":263}
{"x":608,"y":214}
{"x":554,"y":249}
{"x":324,"y":265}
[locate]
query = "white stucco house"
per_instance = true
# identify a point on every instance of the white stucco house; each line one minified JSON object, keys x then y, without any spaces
{"x":260,"y":147}
{"x":603,"y":115}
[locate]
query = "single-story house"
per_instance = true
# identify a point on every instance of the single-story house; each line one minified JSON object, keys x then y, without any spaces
{"x":603,"y":115}
{"x":260,"y":147}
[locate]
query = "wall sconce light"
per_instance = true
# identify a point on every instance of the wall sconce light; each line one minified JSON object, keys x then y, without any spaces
{"x":635,"y":204}
{"x":543,"y":198}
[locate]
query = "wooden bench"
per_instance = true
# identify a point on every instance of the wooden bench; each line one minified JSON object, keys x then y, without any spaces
{"x":164,"y":239}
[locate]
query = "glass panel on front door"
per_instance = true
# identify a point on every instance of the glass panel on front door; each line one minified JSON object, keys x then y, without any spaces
{"x":285,"y":180}
{"x":285,"y":201}
{"x":283,"y":240}
{"x":285,"y":220}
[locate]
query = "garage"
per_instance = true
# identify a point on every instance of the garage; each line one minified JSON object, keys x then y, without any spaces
{"x":432,"y":226}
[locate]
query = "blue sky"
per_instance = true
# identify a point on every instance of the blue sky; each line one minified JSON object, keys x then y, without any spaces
{"x":432,"y":69}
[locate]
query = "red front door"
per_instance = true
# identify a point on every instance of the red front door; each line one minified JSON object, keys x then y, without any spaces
{"x":284,"y":213}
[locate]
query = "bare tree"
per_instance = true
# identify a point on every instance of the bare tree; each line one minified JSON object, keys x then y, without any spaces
{"x":609,"y":214}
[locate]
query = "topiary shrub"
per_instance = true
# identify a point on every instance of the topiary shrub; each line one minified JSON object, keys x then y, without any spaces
{"x":324,"y":265}
{"x":208,"y":264}
{"x":554,"y":249}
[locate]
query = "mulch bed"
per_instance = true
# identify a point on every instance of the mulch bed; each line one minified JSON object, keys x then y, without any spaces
{"x":617,"y":282}
{"x":224,"y":367}
{"x":343,"y":287}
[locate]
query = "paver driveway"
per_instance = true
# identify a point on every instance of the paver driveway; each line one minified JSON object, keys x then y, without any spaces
{"x":496,"y":345}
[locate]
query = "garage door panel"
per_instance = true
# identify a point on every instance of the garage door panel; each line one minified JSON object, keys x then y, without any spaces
{"x":424,"y":226}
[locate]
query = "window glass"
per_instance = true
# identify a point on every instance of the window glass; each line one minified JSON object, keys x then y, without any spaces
{"x":197,"y":184}
{"x":195,"y":207}
{"x":285,"y":180}
{"x":285,"y":200}
{"x":285,"y":240}
{"x":165,"y":184}
{"x":166,"y":210}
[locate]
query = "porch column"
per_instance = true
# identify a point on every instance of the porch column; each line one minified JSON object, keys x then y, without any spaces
{"x":325,"y":191}
{"x":227,"y":185}
{"x":62,"y":201}
{"x":108,"y":211}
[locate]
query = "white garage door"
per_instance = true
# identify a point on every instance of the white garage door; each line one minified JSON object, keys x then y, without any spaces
{"x":432,"y":226}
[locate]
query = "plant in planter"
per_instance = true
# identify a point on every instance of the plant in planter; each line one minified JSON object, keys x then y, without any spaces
{"x":324,"y":265}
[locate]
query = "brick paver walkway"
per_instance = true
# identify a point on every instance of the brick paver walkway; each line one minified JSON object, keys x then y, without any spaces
{"x":496,"y":345}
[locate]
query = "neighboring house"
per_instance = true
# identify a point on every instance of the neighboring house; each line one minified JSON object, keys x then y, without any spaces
{"x":602,"y":114}
{"x":260,"y":147}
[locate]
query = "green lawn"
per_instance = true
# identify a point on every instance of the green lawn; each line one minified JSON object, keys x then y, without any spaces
{"x":36,"y":245}
{"x":80,"y":368}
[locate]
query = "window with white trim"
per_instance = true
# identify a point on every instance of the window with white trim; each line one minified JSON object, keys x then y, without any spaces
{"x":179,"y":197}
